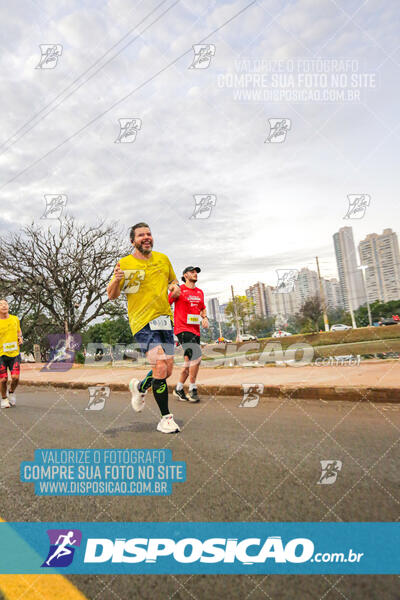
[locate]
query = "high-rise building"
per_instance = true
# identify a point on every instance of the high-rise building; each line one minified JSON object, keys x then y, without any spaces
{"x":333,"y":295}
{"x":307,"y":285}
{"x":256,"y":293}
{"x":380,"y":253}
{"x":222,"y":315}
{"x":350,"y":276}
{"x":279,"y":303}
{"x":213,"y":309}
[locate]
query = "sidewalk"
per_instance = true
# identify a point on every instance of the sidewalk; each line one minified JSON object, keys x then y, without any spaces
{"x":376,"y":381}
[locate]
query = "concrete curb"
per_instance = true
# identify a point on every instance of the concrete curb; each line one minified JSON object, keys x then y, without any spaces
{"x":348,"y":393}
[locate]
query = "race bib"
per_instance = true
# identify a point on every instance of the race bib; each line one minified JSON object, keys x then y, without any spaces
{"x":162,"y":323}
{"x":193,"y":319}
{"x":10,"y":347}
{"x":133,"y":279}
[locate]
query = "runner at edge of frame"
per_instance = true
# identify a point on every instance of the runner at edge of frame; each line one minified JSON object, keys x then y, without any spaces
{"x":10,"y":357}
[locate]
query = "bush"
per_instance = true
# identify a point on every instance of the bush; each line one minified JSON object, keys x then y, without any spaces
{"x":325,"y":338}
{"x":79,"y":357}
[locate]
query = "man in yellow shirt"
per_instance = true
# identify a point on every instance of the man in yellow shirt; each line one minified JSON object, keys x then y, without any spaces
{"x":146,"y":277}
{"x":10,"y":358}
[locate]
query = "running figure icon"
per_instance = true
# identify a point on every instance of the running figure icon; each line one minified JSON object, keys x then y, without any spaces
{"x":62,"y":549}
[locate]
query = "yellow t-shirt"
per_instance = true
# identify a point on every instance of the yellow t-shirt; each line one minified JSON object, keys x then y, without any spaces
{"x":9,"y":336}
{"x":146,"y":286}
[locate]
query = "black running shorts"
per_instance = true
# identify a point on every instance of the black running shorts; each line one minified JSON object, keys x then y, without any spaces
{"x":12,"y":363}
{"x":190,"y":343}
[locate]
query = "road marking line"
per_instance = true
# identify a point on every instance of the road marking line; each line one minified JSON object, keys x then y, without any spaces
{"x":38,"y":587}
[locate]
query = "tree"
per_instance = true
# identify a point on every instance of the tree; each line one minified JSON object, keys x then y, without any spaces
{"x":110,"y":331}
{"x":339,"y":315}
{"x":307,"y":319}
{"x":36,"y":329}
{"x":378,"y":310}
{"x":294,"y":323}
{"x":60,"y":275}
{"x":212,"y":333}
{"x":261,"y":326}
{"x":244,"y":308}
{"x":361,"y":316}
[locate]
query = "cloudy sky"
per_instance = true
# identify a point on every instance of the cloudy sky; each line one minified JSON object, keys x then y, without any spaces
{"x":277,"y":204}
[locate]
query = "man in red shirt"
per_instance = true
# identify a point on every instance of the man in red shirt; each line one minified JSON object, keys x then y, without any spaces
{"x":190,"y":312}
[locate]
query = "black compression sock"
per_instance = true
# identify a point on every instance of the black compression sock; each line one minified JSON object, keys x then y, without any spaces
{"x":160,"y":391}
{"x":146,"y":382}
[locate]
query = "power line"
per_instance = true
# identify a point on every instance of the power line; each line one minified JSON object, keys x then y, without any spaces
{"x":38,"y":160}
{"x":80,"y":77}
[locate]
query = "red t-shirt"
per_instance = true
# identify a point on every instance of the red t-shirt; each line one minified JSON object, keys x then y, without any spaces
{"x":187,"y":307}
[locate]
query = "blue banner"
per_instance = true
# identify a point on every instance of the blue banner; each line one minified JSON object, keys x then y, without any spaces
{"x":193,"y":548}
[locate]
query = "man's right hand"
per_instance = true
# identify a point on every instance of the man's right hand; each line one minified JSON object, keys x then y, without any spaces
{"x":114,"y":287}
{"x":118,"y":272}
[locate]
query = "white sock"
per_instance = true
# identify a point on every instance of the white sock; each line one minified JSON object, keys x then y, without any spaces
{"x":192,"y":386}
{"x":179,"y":386}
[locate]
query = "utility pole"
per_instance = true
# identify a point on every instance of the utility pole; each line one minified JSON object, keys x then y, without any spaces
{"x":219,"y":323}
{"x":363,"y":268}
{"x":353,"y":320}
{"x":236,"y":316}
{"x":321,"y":289}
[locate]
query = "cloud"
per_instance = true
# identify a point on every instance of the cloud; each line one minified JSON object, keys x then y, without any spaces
{"x":277,"y":204}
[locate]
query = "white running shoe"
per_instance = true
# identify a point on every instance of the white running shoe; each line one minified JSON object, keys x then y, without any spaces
{"x":137,"y":400}
{"x":5,"y":403}
{"x":168,"y":425}
{"x":12,"y":400}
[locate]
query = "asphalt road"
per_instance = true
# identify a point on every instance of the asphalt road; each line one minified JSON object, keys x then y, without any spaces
{"x":243,"y":464}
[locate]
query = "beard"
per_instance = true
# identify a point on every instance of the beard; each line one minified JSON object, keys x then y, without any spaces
{"x":144,"y":250}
